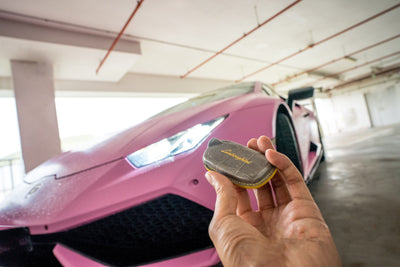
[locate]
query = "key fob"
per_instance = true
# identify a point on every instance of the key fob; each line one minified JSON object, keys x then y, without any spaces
{"x":245,"y":167}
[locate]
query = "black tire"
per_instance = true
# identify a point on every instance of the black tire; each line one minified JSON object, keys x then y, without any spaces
{"x":323,"y":153}
{"x":286,"y":140}
{"x":322,"y":144}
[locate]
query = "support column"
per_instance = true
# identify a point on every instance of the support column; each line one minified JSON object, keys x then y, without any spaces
{"x":37,"y":118}
{"x":371,"y":122}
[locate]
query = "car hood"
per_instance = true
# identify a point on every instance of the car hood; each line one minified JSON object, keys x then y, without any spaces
{"x":133,"y":139}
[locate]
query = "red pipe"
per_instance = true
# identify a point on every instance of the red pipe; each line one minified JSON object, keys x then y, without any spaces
{"x":139,"y":3}
{"x":241,"y":38}
{"x":320,"y":42}
{"x":366,"y":77}
{"x":353,"y":68}
{"x":337,"y":59}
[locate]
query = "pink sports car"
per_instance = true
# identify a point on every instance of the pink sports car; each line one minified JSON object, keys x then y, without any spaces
{"x":140,"y":198}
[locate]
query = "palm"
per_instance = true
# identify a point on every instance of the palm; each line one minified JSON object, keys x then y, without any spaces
{"x":275,"y":222}
{"x":287,"y":230}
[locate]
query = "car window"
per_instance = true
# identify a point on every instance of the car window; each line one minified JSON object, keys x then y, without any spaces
{"x":211,"y":96}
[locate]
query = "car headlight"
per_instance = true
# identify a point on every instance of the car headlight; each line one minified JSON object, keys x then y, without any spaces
{"x":174,"y":145}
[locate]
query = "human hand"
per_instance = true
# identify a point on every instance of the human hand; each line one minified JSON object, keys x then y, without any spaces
{"x":293,"y":233}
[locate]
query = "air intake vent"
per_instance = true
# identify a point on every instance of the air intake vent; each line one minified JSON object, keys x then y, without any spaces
{"x":166,"y":227}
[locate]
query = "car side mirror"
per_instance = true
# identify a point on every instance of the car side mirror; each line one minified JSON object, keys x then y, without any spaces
{"x":298,"y":94}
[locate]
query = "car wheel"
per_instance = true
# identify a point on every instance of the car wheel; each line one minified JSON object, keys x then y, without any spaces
{"x":323,"y":153}
{"x":322,"y":144}
{"x":286,"y":140}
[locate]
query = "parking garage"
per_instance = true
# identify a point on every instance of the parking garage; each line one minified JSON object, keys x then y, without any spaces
{"x":98,"y":89}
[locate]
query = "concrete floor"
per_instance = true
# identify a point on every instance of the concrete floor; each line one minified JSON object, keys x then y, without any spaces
{"x":358,"y":191}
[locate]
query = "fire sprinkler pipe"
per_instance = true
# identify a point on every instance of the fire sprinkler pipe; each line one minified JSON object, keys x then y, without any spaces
{"x":372,"y":75}
{"x":337,"y":59}
{"x":139,"y":3}
{"x":353,"y":68}
{"x":241,"y":38}
{"x":320,"y":42}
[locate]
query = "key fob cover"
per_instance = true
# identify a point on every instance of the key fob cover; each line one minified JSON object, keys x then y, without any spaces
{"x":245,"y":167}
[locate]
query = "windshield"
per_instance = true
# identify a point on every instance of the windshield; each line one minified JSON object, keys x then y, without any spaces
{"x":211,"y":96}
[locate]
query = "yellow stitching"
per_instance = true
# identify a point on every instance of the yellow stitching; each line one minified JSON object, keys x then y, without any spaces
{"x":249,"y":185}
{"x":229,"y":152}
{"x":257,"y":185}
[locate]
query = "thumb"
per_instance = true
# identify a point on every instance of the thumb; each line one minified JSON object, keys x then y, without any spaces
{"x":226,"y":202}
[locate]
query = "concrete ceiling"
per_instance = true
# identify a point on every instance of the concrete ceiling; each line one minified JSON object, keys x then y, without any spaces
{"x":166,"y":39}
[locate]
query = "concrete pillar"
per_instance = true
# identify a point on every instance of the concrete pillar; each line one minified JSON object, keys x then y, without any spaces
{"x":371,"y":122}
{"x":37,"y":118}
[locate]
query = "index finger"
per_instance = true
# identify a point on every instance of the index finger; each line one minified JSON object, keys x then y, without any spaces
{"x":294,"y":180}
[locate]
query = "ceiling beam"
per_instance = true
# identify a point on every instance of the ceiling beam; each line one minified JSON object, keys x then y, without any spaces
{"x":132,"y":84}
{"x":74,"y":52}
{"x":42,"y":33}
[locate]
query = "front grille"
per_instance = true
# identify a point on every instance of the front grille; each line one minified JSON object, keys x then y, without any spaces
{"x":17,"y":249}
{"x":162,"y":228}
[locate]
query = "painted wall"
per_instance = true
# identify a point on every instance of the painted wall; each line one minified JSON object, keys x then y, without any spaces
{"x":342,"y":113}
{"x":355,"y":109}
{"x":384,"y":105}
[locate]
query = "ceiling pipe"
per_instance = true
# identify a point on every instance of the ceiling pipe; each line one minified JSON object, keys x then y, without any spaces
{"x":241,"y":38}
{"x":320,"y":42}
{"x":139,"y":3}
{"x":370,"y":76}
{"x":336,"y":60}
{"x":353,"y":68}
{"x":105,"y":33}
